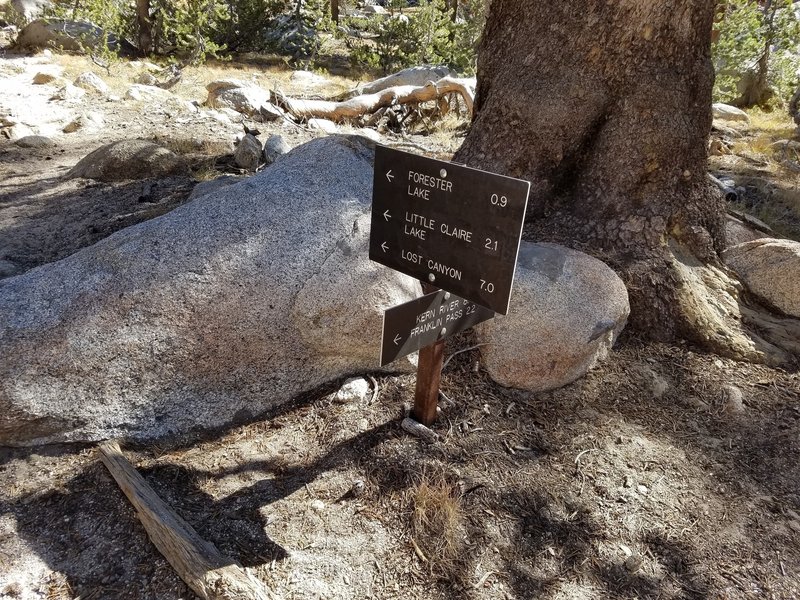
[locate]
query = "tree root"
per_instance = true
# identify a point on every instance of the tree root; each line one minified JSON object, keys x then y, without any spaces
{"x":717,"y":316}
{"x":781,"y":331}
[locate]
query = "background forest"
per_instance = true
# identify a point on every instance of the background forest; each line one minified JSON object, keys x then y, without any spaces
{"x":756,"y":43}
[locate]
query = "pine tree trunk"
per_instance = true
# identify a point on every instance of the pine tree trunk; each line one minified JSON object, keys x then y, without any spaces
{"x":605,"y":106}
{"x":145,"y":26}
{"x":335,"y":11}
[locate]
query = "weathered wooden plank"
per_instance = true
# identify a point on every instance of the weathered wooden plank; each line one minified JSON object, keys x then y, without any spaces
{"x":209,"y":573}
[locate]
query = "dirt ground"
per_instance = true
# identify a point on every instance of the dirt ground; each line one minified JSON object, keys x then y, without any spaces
{"x":648,"y":478}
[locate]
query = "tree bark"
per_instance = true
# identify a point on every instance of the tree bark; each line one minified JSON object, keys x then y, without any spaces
{"x":794,"y":107}
{"x":606,"y":108}
{"x":145,"y":26}
{"x":335,"y":11}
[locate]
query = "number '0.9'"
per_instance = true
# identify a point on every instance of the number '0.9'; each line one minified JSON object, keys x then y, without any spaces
{"x":500,"y":201}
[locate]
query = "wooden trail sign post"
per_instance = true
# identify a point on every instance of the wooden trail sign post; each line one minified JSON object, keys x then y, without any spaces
{"x":458,"y":231}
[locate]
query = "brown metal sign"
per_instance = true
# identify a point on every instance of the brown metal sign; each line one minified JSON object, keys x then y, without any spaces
{"x":410,"y":326}
{"x":455,"y":227}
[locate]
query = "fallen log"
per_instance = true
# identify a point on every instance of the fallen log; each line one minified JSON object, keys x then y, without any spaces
{"x":369,"y":103}
{"x":210,"y":574}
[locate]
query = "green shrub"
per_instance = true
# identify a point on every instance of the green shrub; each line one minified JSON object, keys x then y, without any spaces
{"x":297,"y":32}
{"x":427,"y":34}
{"x":186,"y":28}
{"x":755,"y":39}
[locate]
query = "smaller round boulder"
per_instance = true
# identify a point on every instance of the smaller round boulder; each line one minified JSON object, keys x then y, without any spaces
{"x":92,"y":83}
{"x":726,"y":112}
{"x":274,"y":147}
{"x":34,"y":141}
{"x":567,"y":310}
{"x":128,"y":159}
{"x":238,"y":95}
{"x":248,"y":153}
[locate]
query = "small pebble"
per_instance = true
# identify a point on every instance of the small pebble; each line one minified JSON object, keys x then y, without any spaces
{"x":318,"y":505}
{"x":633,"y":563}
{"x":358,"y":488}
{"x":732,"y":399}
{"x":356,"y":389}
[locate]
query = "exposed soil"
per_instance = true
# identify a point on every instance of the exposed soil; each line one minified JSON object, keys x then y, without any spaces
{"x":647,"y":478}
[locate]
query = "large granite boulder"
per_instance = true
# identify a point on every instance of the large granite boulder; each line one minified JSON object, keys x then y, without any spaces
{"x":71,"y":36}
{"x":217,"y":311}
{"x":770,"y":268}
{"x":567,"y":309}
{"x":209,"y":187}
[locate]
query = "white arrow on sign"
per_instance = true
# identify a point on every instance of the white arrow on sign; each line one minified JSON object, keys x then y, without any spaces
{"x":397,"y":340}
{"x":386,"y":215}
{"x":384,"y":246}
{"x":389,"y":175}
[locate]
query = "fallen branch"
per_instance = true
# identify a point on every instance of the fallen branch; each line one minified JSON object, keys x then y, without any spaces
{"x":457,"y":352}
{"x":419,"y":430}
{"x":210,"y":574}
{"x":369,"y":103}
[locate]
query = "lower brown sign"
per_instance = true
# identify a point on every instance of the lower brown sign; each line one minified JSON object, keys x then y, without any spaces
{"x":410,"y":326}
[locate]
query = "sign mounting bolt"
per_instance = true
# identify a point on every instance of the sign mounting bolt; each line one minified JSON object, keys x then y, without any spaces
{"x":431,"y":277}
{"x":447,"y":295}
{"x":443,"y":173}
{"x":443,"y":331}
